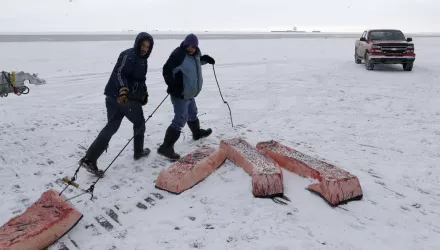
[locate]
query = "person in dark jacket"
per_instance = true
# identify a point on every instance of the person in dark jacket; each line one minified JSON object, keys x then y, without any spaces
{"x":125,"y":94}
{"x":182,"y":73}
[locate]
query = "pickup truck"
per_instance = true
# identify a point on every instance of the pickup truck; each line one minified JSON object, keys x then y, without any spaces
{"x":384,"y":46}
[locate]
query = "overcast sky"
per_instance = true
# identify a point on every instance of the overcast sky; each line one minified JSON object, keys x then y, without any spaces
{"x":117,"y":15}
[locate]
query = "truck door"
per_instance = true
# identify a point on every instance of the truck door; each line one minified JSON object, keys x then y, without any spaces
{"x":361,"y":45}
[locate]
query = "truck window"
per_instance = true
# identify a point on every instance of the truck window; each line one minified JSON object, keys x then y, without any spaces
{"x":386,"y":35}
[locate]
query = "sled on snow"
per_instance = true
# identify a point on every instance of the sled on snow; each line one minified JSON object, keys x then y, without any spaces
{"x":41,"y":225}
{"x":14,"y":82}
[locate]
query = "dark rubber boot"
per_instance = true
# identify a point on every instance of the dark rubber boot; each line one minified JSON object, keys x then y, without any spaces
{"x":197,"y":132}
{"x":93,"y":153}
{"x":91,"y":167}
{"x":167,"y":147}
{"x":139,"y":150}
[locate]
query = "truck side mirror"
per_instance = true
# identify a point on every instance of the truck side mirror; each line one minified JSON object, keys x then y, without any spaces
{"x":409,"y":39}
{"x":363,"y":39}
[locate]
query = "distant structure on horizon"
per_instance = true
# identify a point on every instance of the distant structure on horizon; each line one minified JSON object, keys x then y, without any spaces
{"x":293,"y":30}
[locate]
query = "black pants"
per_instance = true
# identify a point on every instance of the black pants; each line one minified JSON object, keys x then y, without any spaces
{"x":115,"y":114}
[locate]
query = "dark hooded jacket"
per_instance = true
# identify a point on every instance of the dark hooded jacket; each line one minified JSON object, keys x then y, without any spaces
{"x":130,"y":71}
{"x":183,"y":73}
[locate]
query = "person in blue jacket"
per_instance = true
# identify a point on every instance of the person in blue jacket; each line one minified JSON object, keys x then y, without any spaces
{"x":125,"y":94}
{"x":182,"y":73}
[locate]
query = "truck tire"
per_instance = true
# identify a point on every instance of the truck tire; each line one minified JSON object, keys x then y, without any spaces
{"x":368,"y":65}
{"x":357,"y":60}
{"x":407,"y":66}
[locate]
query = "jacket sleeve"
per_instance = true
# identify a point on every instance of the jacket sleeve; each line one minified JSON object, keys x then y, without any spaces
{"x":124,"y":70}
{"x":168,"y":68}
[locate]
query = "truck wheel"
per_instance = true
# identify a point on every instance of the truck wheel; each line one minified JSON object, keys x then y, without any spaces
{"x":368,"y":64}
{"x":357,"y":60}
{"x":407,"y":66}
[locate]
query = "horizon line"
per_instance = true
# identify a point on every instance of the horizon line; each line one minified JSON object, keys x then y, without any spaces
{"x":129,"y":32}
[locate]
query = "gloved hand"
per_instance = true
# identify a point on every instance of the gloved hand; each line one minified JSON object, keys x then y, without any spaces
{"x":207,"y":59}
{"x":123,"y":95}
{"x":145,"y":99}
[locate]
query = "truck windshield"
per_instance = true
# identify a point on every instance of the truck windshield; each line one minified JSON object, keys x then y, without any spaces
{"x":387,"y":35}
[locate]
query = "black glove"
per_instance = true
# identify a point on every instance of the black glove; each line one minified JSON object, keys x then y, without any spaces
{"x":207,"y":59}
{"x":123,"y":95}
{"x":145,"y":99}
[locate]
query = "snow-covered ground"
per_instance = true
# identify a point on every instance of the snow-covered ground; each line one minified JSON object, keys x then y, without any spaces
{"x":382,"y":126}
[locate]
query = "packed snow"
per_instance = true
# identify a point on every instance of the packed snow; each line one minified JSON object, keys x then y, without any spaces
{"x":382,"y":126}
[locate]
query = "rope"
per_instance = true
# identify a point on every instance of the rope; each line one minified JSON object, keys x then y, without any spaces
{"x":130,"y":139}
{"x":218,"y":85}
{"x":92,"y":187}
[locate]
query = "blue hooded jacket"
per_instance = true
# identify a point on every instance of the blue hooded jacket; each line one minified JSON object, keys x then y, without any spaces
{"x":182,"y":72}
{"x":130,"y":71}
